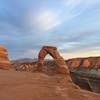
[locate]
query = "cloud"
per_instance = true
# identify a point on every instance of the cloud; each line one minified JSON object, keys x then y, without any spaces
{"x":76,"y":7}
{"x":74,"y":3}
{"x":29,"y":53}
{"x":71,"y":25}
{"x":92,"y":2}
{"x":43,"y":21}
{"x":4,"y":36}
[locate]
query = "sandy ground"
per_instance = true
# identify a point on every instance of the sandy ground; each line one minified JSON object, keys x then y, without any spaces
{"x":38,"y":86}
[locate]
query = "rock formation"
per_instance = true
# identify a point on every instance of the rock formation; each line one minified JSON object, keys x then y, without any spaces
{"x":74,"y":63}
{"x":39,"y":86}
{"x":90,"y":62}
{"x":24,"y":66}
{"x":52,"y":51}
{"x":4,"y":61}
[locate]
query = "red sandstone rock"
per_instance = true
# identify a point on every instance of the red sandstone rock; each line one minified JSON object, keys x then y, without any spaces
{"x":39,"y":86}
{"x":86,"y":63}
{"x":4,"y":61}
{"x":52,"y":51}
{"x":97,"y":63}
{"x":75,"y":63}
{"x":90,"y":62}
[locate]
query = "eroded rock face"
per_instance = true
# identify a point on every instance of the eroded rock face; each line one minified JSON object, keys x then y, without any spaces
{"x":90,"y":62}
{"x":4,"y":61}
{"x":74,"y":63}
{"x":97,"y":63}
{"x":52,"y":51}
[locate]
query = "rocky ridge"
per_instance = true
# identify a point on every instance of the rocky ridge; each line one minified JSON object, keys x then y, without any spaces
{"x":89,"y":62}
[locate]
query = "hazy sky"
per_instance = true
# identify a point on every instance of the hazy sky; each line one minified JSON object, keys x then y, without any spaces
{"x":71,"y":25}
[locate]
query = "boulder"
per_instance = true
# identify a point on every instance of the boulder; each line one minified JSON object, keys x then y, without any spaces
{"x":4,"y":61}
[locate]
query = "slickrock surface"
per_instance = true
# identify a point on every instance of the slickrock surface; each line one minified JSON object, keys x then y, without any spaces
{"x":38,"y":86}
{"x":4,"y":61}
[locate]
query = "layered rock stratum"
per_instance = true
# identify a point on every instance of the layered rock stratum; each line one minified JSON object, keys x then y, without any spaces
{"x":4,"y":60}
{"x":89,"y":62}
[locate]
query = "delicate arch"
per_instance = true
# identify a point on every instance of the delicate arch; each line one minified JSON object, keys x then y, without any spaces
{"x":52,"y":51}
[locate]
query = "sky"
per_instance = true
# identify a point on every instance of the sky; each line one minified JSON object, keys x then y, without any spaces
{"x":73,"y":26}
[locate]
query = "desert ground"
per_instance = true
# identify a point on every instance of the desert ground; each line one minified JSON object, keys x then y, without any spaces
{"x":39,"y":86}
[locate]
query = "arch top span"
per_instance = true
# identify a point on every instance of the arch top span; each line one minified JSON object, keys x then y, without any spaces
{"x":48,"y":47}
{"x":52,"y":51}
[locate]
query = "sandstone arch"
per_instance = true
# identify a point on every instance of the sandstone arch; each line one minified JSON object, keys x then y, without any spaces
{"x":52,"y":51}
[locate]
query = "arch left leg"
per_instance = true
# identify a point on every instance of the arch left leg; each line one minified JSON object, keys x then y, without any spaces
{"x":41,"y":57}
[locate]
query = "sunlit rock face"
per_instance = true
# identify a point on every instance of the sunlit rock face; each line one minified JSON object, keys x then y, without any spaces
{"x":74,"y":63}
{"x":4,"y":61}
{"x":52,"y":51}
{"x":90,"y":62}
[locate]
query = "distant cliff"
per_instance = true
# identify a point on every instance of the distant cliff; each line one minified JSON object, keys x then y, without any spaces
{"x":89,"y":62}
